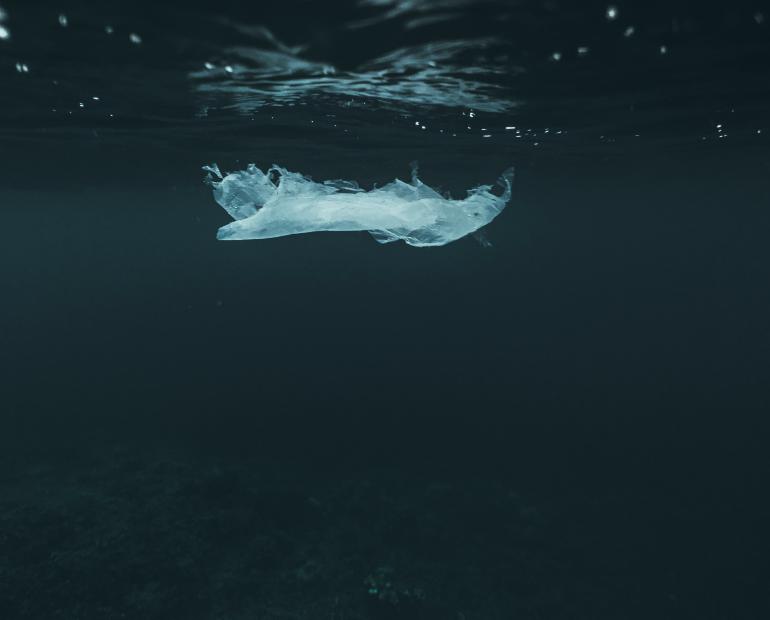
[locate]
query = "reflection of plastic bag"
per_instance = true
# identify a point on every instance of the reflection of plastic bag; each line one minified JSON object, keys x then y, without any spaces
{"x":283,"y":203}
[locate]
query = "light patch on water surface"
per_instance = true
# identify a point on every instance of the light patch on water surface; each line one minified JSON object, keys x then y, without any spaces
{"x":437,"y":74}
{"x":280,"y":203}
{"x":430,"y":20}
{"x":442,"y":10}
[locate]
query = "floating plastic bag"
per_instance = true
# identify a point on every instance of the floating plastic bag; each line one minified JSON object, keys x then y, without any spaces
{"x":279,"y":203}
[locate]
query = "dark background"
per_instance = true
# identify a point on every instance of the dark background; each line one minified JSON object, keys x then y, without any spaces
{"x":570,"y":424}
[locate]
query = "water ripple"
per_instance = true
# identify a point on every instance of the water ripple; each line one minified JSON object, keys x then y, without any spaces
{"x":458,"y":73}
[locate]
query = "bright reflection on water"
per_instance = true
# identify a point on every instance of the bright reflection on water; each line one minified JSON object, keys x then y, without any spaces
{"x":432,"y":74}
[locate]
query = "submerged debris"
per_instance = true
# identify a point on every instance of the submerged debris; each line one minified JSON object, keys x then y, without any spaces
{"x":280,"y":203}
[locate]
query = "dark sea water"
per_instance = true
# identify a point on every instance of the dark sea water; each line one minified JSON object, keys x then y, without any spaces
{"x":569,"y":424}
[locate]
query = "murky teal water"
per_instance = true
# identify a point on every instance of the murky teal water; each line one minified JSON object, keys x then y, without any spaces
{"x":570,"y":423}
